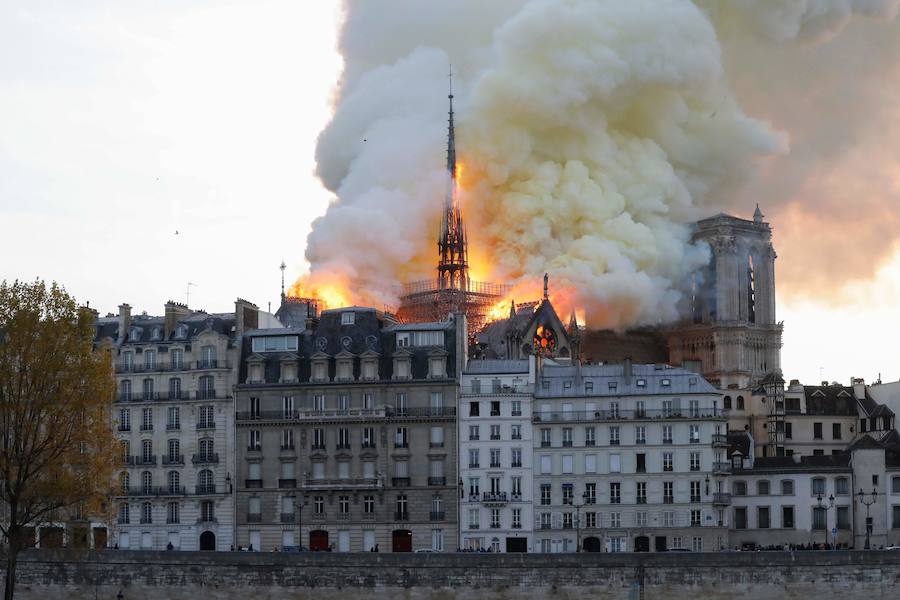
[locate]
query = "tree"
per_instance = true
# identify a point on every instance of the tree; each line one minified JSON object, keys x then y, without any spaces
{"x":57,"y":450}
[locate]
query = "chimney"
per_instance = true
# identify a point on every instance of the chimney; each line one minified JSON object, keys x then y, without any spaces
{"x":124,"y":321}
{"x":174,"y":312}
{"x":246,"y":316}
{"x":626,"y":370}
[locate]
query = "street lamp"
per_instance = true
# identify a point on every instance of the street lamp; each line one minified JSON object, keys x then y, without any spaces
{"x":826,"y":509}
{"x":228,"y":482}
{"x":864,"y":499}
{"x":584,"y":499}
{"x":299,"y":506}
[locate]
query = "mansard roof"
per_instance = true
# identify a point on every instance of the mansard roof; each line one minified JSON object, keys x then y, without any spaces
{"x":645,"y":380}
{"x":837,"y":400}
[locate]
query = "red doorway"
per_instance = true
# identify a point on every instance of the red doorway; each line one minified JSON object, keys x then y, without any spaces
{"x":318,"y":540}
{"x":402,"y":540}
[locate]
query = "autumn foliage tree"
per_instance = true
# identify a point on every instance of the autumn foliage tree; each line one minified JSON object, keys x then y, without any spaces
{"x":57,"y":452}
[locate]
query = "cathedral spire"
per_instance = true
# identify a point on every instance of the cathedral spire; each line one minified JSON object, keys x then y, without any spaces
{"x":453,"y":266}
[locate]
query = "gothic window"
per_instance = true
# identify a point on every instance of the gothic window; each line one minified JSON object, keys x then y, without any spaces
{"x":544,"y":339}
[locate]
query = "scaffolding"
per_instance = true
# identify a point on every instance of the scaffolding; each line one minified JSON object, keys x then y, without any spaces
{"x":428,"y":301}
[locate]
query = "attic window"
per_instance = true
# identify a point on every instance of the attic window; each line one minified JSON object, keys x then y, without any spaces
{"x":666,"y":382}
{"x":348,"y":318}
{"x":181,"y":332}
{"x":642,"y":383}
{"x":135,"y":334}
{"x":567,"y":385}
{"x":588,"y":386}
{"x":155,"y":334}
{"x":613,"y":385}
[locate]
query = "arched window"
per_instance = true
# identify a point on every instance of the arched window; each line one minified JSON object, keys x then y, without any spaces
{"x":174,"y":482}
{"x":146,"y":482}
{"x":147,"y":451}
{"x":740,"y":403}
{"x":175,"y":388}
{"x":125,"y":482}
{"x":206,"y":450}
{"x":124,"y":514}
{"x":726,"y":402}
{"x":125,"y":390}
{"x":125,"y":448}
{"x":174,"y":451}
{"x":205,"y":481}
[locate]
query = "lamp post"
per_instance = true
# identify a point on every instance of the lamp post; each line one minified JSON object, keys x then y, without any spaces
{"x":584,"y":498}
{"x":864,"y":499}
{"x":826,"y":508}
{"x":298,"y":504}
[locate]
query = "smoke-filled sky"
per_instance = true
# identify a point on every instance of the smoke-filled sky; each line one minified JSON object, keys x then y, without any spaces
{"x":589,"y":132}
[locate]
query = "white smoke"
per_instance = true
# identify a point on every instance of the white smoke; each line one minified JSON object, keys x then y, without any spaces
{"x":590,"y":130}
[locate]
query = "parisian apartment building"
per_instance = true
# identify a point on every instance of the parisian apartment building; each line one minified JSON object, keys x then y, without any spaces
{"x":628,"y":458}
{"x":174,"y":419}
{"x":495,"y":454}
{"x":346,"y":434}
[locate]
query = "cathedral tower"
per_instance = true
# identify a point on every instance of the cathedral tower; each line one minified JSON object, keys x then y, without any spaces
{"x":453,"y":252}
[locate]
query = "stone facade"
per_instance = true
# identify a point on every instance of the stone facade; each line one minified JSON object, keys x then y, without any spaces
{"x":175,"y":421}
{"x":495,"y":455}
{"x":628,"y":457}
{"x":346,"y":434}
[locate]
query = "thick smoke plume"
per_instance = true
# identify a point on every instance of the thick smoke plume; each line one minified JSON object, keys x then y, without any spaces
{"x":590,"y":131}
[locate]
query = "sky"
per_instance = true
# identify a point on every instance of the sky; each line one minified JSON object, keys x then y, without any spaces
{"x":146,"y":146}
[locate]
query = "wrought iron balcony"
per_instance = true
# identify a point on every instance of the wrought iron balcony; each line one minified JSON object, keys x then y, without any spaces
{"x":400,"y":481}
{"x":721,"y":468}
{"x":625,"y":415}
{"x":287,"y":483}
{"x":205,"y":459}
{"x":436,"y":515}
{"x":437,"y":481}
{"x":401,"y":515}
{"x":205,"y":489}
{"x":721,"y":499}
{"x":494,"y":497}
{"x":720,"y":440}
{"x":173,"y":459}
{"x":253,"y":483}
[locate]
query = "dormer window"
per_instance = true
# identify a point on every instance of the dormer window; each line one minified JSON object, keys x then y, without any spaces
{"x":642,"y":383}
{"x":403,"y":340}
{"x":348,"y":318}
{"x":320,"y":369}
{"x":181,"y":332}
{"x":135,"y":334}
{"x":156,"y":334}
{"x":437,"y":366}
{"x":666,"y":382}
{"x":613,"y":385}
{"x":344,"y":368}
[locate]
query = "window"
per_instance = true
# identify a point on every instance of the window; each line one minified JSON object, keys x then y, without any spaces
{"x":787,"y":517}
{"x":175,"y":388}
{"x":842,"y":486}
{"x":615,"y":493}
{"x":253,"y":440}
{"x":516,"y":432}
{"x":641,"y":492}
{"x":668,"y":492}
{"x":641,"y":463}
{"x":667,"y":461}
{"x":695,"y":434}
{"x":516,"y":486}
{"x":739,"y":488}
{"x":473,"y":432}
{"x":668,"y":519}
{"x":590,"y":438}
{"x":147,"y":452}
{"x":640,"y":434}
{"x":207,"y":511}
{"x":695,"y":461}
{"x":124,"y":419}
{"x":147,"y":482}
{"x":740,"y":517}
{"x":401,"y":438}
{"x":590,"y":493}
{"x":694,"y":407}
{"x":146,"y":513}
{"x":344,"y":505}
{"x":615,"y":519}
{"x":546,"y":465}
{"x":124,"y":514}
{"x":473,"y":458}
{"x":207,"y":417}
{"x":667,"y":434}
{"x":695,"y":491}
{"x":615,"y":463}
{"x":567,"y":463}
{"x":369,"y":505}
{"x":474,"y":409}
{"x":895,"y":517}
{"x":516,"y":408}
{"x":762,"y":488}
{"x":150,"y":360}
{"x":817,"y":431}
{"x":495,"y":458}
{"x":436,"y":437}
{"x":762,"y":517}
{"x":787,"y":487}
{"x":147,"y":419}
{"x":516,"y":458}
{"x":695,"y":518}
{"x":614,"y":436}
{"x":667,"y":408}
{"x":368,"y":437}
{"x":348,"y":318}
{"x":173,"y":418}
{"x":640,"y":518}
{"x":567,"y":493}
{"x":495,"y":432}
{"x":546,"y":492}
{"x":343,"y":441}
{"x":495,"y":408}
{"x":895,"y":485}
{"x":590,"y":463}
{"x":287,"y":439}
{"x":545,"y":438}
{"x":789,"y":430}
{"x":319,"y":505}
{"x":174,"y":451}
{"x":843,"y":517}
{"x":697,"y":544}
{"x":818,"y":486}
{"x":740,"y":403}
{"x":172,"y":515}
{"x":819,"y":518}
{"x":836,"y":431}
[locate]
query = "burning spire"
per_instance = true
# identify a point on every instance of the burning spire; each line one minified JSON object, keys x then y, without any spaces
{"x":453,"y":267}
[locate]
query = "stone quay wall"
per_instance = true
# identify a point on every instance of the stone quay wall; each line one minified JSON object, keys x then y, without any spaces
{"x":58,"y":574}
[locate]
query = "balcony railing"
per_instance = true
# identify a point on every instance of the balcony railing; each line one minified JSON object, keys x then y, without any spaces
{"x":400,"y":481}
{"x":143,"y":460}
{"x":210,"y":363}
{"x":205,"y":459}
{"x":342,"y":484}
{"x":202,"y":425}
{"x":437,"y":481}
{"x":436,"y":515}
{"x":315,"y":415}
{"x":625,"y":415}
{"x":503,"y":390}
{"x":287,"y":483}
{"x":719,"y":440}
{"x":401,"y":515}
{"x":721,"y":468}
{"x":253,"y":483}
{"x":156,"y":367}
{"x":173,"y":459}
{"x":721,"y":498}
{"x":205,"y":489}
{"x":420,"y":411}
{"x":206,"y":395}
{"x":288,"y":517}
{"x":156,"y":491}
{"x":494,"y":497}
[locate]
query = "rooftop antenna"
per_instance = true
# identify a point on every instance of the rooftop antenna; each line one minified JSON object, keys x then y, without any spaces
{"x":187,"y":294}
{"x":282,"y":267}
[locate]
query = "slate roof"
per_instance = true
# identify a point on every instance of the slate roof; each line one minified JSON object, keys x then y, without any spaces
{"x":108,"y":327}
{"x":739,"y":441}
{"x":680,"y":381}
{"x":808,"y":464}
{"x":488,"y":367}
{"x":837,"y":400}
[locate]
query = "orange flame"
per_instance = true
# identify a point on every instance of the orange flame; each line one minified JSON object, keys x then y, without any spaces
{"x":331,"y":293}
